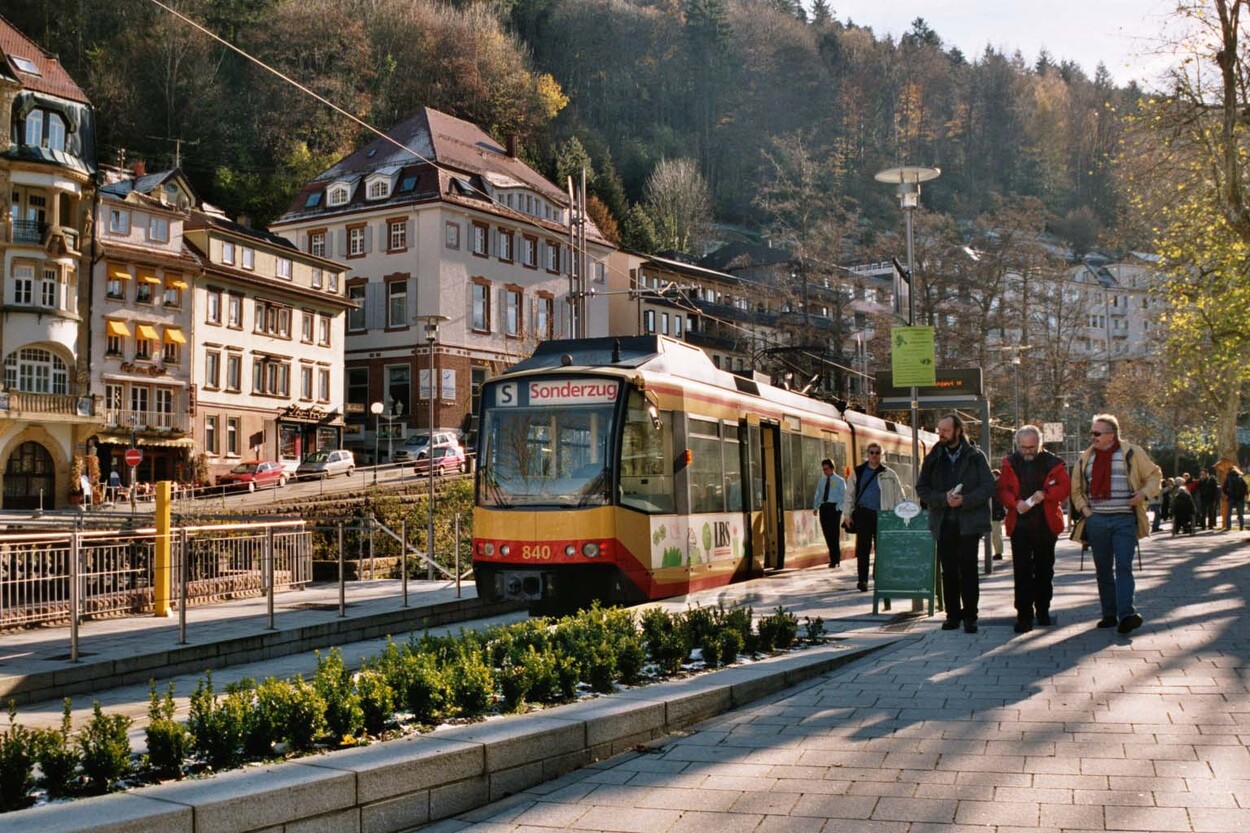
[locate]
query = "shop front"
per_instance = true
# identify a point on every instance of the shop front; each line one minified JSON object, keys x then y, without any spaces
{"x":301,"y":431}
{"x":164,"y":458}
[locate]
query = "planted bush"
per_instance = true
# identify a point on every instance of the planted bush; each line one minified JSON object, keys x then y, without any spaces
{"x":58,"y":757}
{"x":105,"y":748}
{"x":17,"y":763}
{"x":778,"y":630}
{"x":730,"y":646}
{"x":168,"y":740}
{"x":514,"y":684}
{"x":710,"y":648}
{"x":344,"y":716}
{"x":217,"y":725}
{"x":815,"y":628}
{"x":377,"y":700}
{"x":668,"y":639}
{"x":472,"y":682}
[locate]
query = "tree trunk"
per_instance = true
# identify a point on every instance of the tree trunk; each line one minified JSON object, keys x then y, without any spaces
{"x":1226,"y":427}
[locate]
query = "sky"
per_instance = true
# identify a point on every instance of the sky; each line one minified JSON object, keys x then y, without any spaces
{"x":1126,"y":35}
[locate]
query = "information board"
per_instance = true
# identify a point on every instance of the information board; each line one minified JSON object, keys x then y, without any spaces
{"x":912,"y":356}
{"x":906,"y":557}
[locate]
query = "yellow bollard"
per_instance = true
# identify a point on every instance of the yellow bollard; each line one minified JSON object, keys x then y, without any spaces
{"x":162,"y":568}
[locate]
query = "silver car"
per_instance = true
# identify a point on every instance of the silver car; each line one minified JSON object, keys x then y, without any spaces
{"x":415,"y":446}
{"x":326,"y":463}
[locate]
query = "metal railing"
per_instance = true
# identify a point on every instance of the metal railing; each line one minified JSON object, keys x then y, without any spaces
{"x":41,"y":581}
{"x":147,"y":421}
{"x":28,"y":231}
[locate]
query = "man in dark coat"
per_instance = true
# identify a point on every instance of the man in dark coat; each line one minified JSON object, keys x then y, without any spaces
{"x":1208,"y":501}
{"x":956,"y":484}
{"x":1033,"y":486}
{"x":1235,"y":491}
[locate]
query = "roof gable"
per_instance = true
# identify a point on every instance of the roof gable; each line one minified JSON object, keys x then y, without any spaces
{"x":26,"y":63}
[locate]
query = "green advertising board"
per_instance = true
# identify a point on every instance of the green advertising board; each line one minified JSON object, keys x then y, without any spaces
{"x":906,"y":556}
{"x":912,"y":355}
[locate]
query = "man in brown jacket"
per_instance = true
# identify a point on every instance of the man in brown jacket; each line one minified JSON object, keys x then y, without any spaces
{"x":1110,"y":486}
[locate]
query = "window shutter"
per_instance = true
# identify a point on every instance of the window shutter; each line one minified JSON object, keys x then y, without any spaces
{"x":341,"y":234}
{"x":369,"y":238}
{"x":410,"y":234}
{"x":375,"y":305}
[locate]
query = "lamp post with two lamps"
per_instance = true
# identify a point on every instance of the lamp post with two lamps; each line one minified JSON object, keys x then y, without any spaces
{"x":431,"y":338}
{"x":907,"y":179}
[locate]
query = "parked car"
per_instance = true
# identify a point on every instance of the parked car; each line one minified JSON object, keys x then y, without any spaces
{"x":326,"y":463}
{"x":256,"y":475}
{"x":415,"y":446}
{"x":446,"y":458}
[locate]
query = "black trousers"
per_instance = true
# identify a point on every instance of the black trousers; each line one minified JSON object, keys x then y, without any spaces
{"x":961,"y":586}
{"x":1210,"y":513}
{"x":1033,"y":569}
{"x":865,"y":521}
{"x":830,"y":525}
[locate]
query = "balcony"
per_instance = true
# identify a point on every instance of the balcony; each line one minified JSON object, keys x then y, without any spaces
{"x":19,"y":404}
{"x":146,"y":422}
{"x":29,"y":231}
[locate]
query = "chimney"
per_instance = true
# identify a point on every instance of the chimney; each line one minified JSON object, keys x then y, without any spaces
{"x":512,"y":142}
{"x":140,"y":169}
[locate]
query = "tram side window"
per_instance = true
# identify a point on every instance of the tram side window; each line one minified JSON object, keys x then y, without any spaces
{"x":706,"y":476}
{"x":835,"y":450}
{"x":793,"y":480}
{"x":732,"y":466}
{"x":813,"y":453}
{"x":902,"y":466}
{"x":647,"y":459}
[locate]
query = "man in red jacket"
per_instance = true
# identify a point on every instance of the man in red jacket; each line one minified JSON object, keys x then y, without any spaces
{"x":1033,"y":486}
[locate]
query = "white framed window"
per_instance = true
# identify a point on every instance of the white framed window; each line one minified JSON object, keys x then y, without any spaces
{"x":284,"y":268}
{"x":164,"y":410}
{"x":480,"y":312}
{"x":356,"y":316}
{"x":119,"y":221}
{"x":33,"y":370}
{"x":47,"y":289}
{"x":529,"y":252}
{"x":139,"y":397}
{"x":173,"y":353}
{"x":113,"y":345}
{"x":480,"y":233}
{"x":56,"y":132}
{"x":113,"y":398}
{"x":544,"y":317}
{"x":356,"y":241}
{"x":306,"y":327}
{"x":398,"y":236}
{"x":451,"y":235}
{"x":305,"y":382}
{"x":317,"y":244}
{"x":323,"y":330}
{"x":323,"y":385}
{"x":158,"y":229}
{"x":397,"y":304}
{"x":232,"y":436}
{"x":316,"y":278}
{"x":234,"y":371}
{"x":212,"y":306}
{"x":648,"y":321}
{"x":227,"y":252}
{"x":338,"y":196}
{"x":512,"y":312}
{"x":379,"y":189}
{"x":505,"y":245}
{"x":210,"y":434}
{"x":234,"y":311}
{"x":334,"y":282}
{"x":212,"y":369}
{"x":34,"y":128}
{"x":24,"y":285}
{"x":249,"y":257}
{"x":552,"y":256}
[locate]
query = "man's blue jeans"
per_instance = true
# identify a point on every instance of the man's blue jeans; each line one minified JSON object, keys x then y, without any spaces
{"x":1113,"y":538}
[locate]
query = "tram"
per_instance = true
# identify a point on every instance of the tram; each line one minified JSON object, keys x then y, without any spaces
{"x":628,"y":469}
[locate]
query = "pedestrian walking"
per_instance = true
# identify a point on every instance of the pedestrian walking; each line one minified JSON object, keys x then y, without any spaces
{"x":998,"y":513}
{"x":1110,"y":486}
{"x":873,"y":486}
{"x":1235,"y":493}
{"x":1033,"y":486}
{"x":1183,"y":508}
{"x":1165,"y":502}
{"x":827,"y":505}
{"x":1208,"y":500}
{"x":957,"y":485}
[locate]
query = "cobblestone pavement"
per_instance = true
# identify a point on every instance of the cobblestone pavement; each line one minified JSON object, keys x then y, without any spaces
{"x":1062,"y":728}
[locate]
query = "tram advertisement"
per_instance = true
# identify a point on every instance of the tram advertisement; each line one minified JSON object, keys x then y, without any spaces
{"x":678,"y":541}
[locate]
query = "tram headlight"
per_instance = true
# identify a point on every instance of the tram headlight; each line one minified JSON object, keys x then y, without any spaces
{"x":505,"y":550}
{"x":488,"y":548}
{"x":590,"y":549}
{"x":570,"y":551}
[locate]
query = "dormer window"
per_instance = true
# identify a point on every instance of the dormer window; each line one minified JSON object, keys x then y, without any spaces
{"x":56,"y":132}
{"x":379,"y":189}
{"x":338,"y":195}
{"x":34,"y":128}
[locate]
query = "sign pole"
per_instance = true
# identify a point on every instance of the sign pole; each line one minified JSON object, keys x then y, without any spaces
{"x":911,"y":322}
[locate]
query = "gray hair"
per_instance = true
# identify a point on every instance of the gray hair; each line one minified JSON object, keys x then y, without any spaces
{"x":1109,"y":420}
{"x":1029,"y":429}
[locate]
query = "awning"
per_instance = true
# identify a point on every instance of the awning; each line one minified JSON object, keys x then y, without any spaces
{"x":174,"y":335}
{"x":148,"y":276}
{"x":148,"y":331}
{"x":118,"y":328}
{"x":175,"y":283}
{"x":118,"y":273}
{"x":158,"y":442}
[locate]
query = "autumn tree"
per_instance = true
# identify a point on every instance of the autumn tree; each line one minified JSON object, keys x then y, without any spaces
{"x":678,"y":203}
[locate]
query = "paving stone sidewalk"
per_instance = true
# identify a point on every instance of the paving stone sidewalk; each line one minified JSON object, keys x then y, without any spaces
{"x":1063,"y":728}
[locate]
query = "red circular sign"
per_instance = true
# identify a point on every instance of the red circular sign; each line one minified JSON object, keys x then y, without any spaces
{"x":133,"y":456}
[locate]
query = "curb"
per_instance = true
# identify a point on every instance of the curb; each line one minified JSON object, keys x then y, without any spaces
{"x":89,"y":676}
{"x":396,"y":785}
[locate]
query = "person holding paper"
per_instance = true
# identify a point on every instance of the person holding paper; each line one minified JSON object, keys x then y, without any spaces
{"x":956,"y":485}
{"x":1033,"y":486}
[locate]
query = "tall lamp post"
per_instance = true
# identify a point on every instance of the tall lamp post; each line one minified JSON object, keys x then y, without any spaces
{"x":906,"y":180}
{"x":376,"y":409}
{"x":431,"y":338}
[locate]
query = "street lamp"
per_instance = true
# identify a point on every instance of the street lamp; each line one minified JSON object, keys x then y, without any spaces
{"x":907,"y":179}
{"x":431,"y":337}
{"x":376,"y":409}
{"x":1016,"y":350}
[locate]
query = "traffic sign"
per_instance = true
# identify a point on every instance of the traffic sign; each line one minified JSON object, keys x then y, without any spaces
{"x":134,"y":457}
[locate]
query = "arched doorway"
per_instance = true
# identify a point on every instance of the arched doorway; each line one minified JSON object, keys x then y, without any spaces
{"x":30,"y":469}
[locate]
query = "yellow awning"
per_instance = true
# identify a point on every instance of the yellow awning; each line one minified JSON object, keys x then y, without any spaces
{"x":148,"y":276}
{"x":148,"y":331}
{"x":118,"y":328}
{"x":175,"y":283}
{"x":118,"y":273}
{"x":175,"y":335}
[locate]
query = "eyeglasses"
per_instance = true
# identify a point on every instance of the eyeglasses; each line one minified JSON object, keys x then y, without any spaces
{"x":1098,"y":433}
{"x":874,"y":453}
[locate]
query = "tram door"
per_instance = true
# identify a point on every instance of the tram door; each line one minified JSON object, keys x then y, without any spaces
{"x":766,"y":455}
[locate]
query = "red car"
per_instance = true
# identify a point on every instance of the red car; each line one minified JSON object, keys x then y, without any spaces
{"x":446,"y":458}
{"x":253,"y":476}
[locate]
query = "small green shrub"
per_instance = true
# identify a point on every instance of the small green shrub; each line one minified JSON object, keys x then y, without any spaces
{"x":814,"y":628}
{"x":730,"y":646}
{"x":17,"y":763}
{"x":472,"y":682}
{"x":105,"y":748}
{"x":544,"y":678}
{"x":710,"y":648}
{"x":344,"y":716}
{"x":514,"y":684}
{"x":668,"y":639}
{"x":778,"y":630}
{"x":58,"y":757}
{"x":168,"y":740}
{"x":289,"y":711}
{"x":217,"y":725}
{"x":599,"y":668}
{"x":568,"y":674}
{"x":702,"y":622}
{"x":377,"y":700}
{"x":741,"y":621}
{"x":423,"y":687}
{"x":631,"y":656}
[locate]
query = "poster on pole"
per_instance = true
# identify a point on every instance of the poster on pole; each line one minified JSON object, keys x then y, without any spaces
{"x":912,"y":356}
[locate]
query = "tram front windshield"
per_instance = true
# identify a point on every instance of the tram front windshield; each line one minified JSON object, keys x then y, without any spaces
{"x":546,"y":456}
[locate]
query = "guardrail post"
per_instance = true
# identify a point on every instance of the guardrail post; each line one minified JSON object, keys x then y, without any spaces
{"x":269,"y":571}
{"x":373,"y":573}
{"x":403,"y":557}
{"x":342,"y":585}
{"x":75,"y":592}
{"x":457,"y":533}
{"x":161,"y":570}
{"x":184,"y":572}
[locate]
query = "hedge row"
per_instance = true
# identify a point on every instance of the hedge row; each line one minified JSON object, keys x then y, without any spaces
{"x":417,"y":684}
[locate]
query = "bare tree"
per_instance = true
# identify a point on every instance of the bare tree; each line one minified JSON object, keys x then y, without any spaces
{"x":679,"y":203}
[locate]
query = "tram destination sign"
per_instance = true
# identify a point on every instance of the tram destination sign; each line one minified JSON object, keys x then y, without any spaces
{"x":586,"y":391}
{"x":964,"y":383}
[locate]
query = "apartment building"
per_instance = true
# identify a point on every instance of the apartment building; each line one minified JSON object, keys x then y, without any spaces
{"x":459,"y":256}
{"x":47,"y":170}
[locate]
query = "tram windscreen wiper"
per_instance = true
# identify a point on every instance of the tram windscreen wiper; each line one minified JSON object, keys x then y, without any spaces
{"x":596,"y":488}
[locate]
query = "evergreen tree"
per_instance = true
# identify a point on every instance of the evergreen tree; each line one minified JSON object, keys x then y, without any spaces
{"x":822,"y":14}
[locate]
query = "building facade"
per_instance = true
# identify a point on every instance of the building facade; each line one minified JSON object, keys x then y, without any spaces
{"x":440,"y":226}
{"x":47,"y":173}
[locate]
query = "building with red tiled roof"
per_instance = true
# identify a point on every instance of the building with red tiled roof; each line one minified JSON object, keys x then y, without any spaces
{"x":47,"y":168}
{"x":438,"y":221}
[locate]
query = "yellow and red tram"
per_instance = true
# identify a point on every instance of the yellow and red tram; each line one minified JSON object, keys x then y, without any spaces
{"x":628,"y":469}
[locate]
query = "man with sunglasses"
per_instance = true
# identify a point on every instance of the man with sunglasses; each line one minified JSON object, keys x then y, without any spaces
{"x":1110,"y":486}
{"x":873,"y":486}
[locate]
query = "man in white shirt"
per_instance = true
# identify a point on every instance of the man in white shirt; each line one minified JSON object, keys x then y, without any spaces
{"x":827,"y":504}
